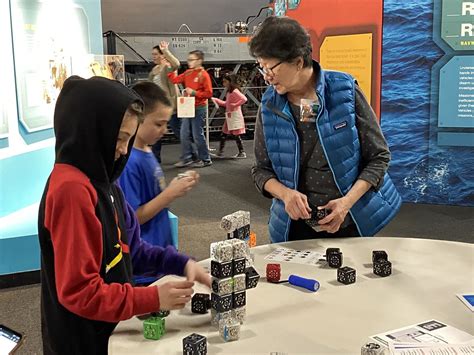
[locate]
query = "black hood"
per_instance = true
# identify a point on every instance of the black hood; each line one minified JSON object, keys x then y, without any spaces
{"x":87,"y":120}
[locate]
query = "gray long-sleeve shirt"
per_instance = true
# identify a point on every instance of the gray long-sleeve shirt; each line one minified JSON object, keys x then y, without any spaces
{"x":316,"y":179}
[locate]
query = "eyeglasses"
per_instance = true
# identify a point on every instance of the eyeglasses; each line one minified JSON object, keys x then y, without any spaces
{"x":268,"y":71}
{"x":192,"y":59}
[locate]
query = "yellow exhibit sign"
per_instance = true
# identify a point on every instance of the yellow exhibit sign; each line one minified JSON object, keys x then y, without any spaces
{"x":351,"y":54}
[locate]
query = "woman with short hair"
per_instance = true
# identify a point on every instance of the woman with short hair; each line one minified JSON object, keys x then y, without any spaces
{"x":318,"y":145}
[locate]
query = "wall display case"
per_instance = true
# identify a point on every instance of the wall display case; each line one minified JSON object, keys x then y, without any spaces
{"x":46,"y":34}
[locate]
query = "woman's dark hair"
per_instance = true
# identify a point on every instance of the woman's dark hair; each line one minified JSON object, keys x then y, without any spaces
{"x":152,"y":95}
{"x":199,"y":54}
{"x":158,"y":49}
{"x":282,"y":38}
{"x":233,"y":82}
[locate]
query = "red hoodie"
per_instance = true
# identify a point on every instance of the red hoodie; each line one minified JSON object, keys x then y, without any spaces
{"x":196,"y":79}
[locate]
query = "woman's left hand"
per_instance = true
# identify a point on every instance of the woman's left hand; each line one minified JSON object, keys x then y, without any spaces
{"x":195,"y":272}
{"x":339,"y":209}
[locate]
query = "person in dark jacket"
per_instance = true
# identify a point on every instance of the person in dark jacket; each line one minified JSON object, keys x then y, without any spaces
{"x":89,"y":235}
{"x":318,"y":144}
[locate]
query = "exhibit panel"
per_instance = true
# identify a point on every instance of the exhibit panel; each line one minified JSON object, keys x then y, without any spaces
{"x":428,"y":99}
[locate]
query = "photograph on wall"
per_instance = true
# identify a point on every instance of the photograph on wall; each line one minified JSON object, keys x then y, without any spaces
{"x":426,"y":80}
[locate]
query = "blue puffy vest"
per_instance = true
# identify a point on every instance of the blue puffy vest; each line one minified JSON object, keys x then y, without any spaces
{"x":338,"y":134}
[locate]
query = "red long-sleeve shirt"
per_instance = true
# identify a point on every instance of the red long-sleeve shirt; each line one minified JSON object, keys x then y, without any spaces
{"x":196,"y":79}
{"x":76,"y":232}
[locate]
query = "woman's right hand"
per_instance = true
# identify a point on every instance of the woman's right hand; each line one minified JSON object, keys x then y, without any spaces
{"x":179,"y":187}
{"x":175,"y":294}
{"x":164,"y":45}
{"x":296,"y":205}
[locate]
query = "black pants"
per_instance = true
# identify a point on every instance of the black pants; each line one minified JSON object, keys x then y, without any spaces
{"x":238,"y":140}
{"x":299,"y":230}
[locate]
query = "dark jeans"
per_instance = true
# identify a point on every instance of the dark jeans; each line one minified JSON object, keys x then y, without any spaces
{"x":299,"y":230}
{"x":194,"y":127}
{"x":175,"y":125}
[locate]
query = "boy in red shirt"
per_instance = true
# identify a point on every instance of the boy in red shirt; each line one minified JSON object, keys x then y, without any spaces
{"x":197,"y":83}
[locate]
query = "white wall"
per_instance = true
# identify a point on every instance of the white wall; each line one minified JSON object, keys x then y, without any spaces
{"x":168,"y":15}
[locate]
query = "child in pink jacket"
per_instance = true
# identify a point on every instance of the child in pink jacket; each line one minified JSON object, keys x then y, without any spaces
{"x":234,"y":100}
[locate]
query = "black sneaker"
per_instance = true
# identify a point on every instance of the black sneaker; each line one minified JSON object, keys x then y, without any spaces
{"x":240,"y":155}
{"x":201,"y":164}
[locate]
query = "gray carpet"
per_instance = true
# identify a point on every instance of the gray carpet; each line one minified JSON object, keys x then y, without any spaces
{"x":225,"y":187}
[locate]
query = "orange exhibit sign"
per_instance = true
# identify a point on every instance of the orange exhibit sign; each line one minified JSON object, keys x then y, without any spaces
{"x":347,"y":36}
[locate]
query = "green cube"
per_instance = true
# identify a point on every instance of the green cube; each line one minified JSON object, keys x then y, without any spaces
{"x":154,"y":328}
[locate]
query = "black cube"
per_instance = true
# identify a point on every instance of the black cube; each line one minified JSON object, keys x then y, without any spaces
{"x":378,"y":255}
{"x":251,"y":277}
{"x":238,"y":299}
{"x":221,"y":270}
{"x":331,"y":250}
{"x":195,"y":344}
{"x":383,"y":268}
{"x":334,"y":257}
{"x":221,"y":303}
{"x":319,"y":214}
{"x":346,"y":275}
{"x":200,"y":303}
{"x":238,"y":266}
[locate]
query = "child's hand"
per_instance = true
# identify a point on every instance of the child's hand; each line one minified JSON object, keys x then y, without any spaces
{"x":193,"y":174}
{"x":188,"y":91}
{"x":175,"y":294}
{"x":180,"y":187}
{"x":195,"y":272}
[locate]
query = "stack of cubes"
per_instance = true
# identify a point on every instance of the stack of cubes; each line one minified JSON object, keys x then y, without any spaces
{"x":228,"y":297}
{"x":381,"y":266}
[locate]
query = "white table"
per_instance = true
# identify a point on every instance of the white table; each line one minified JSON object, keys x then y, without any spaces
{"x":339,"y":318}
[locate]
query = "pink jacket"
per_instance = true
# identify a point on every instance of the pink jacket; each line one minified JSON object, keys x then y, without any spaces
{"x":233,"y":102}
